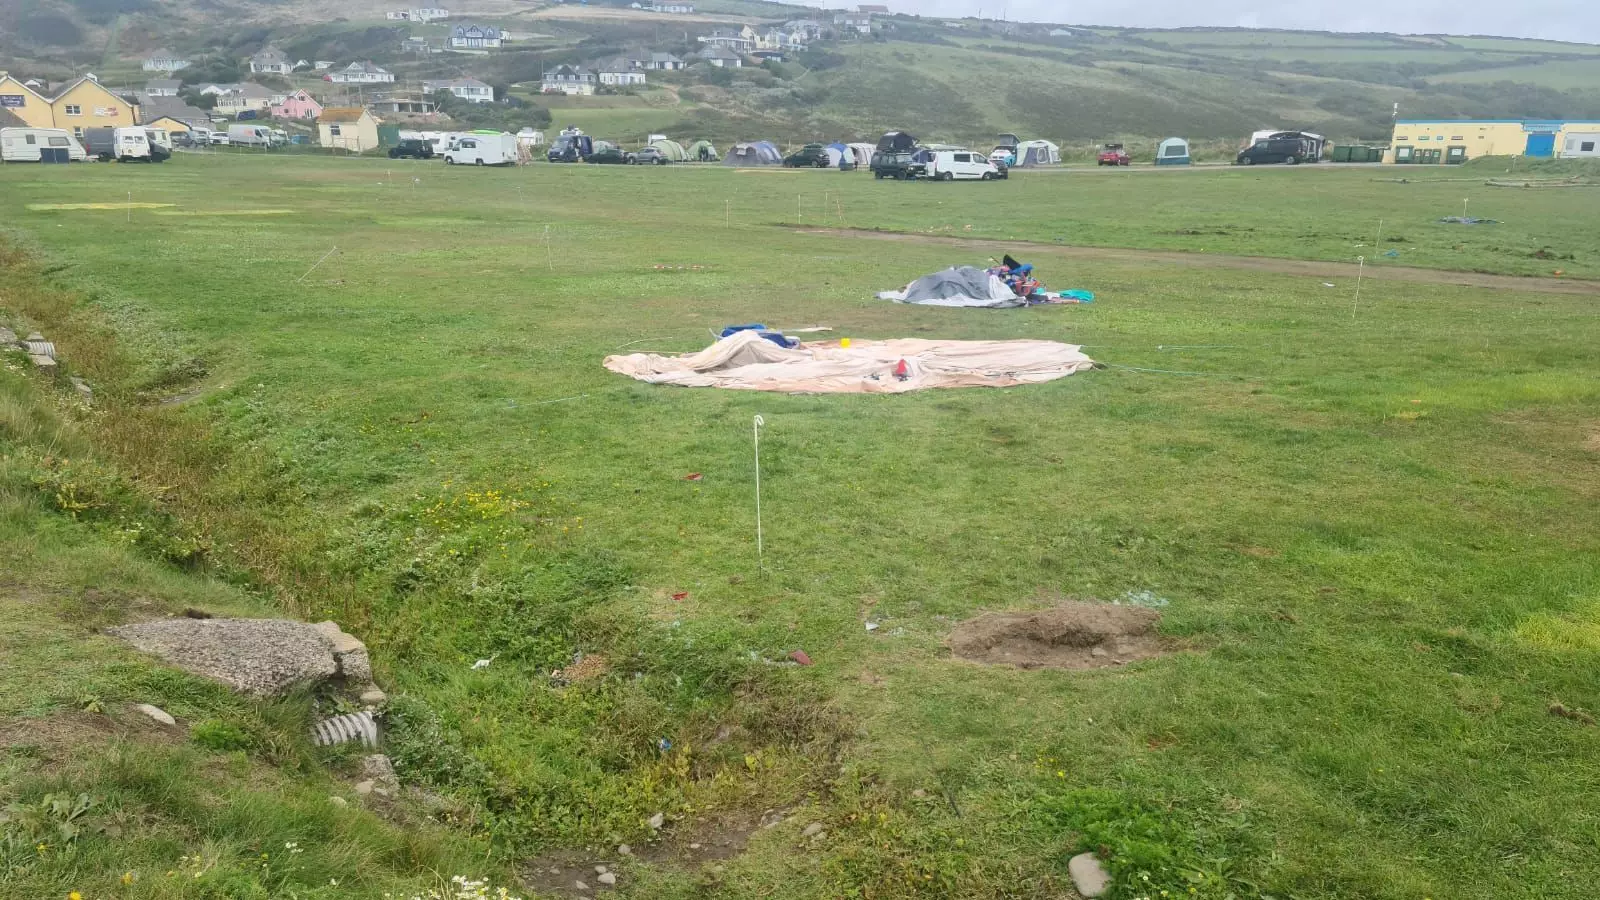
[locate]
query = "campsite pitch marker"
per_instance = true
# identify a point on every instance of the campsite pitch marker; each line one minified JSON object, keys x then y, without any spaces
{"x":756,"y":427}
{"x":1361,"y":268}
{"x":317,"y":263}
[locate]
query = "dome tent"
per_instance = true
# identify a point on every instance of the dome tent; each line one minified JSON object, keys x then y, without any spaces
{"x":703,"y":151}
{"x":1037,"y":153}
{"x":1173,"y":152}
{"x":754,"y":154}
{"x":837,"y":152}
{"x":671,"y":150}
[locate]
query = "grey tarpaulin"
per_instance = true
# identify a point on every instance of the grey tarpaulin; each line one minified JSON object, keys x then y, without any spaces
{"x":958,"y":286}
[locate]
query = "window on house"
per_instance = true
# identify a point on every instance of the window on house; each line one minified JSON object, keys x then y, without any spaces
{"x":1401,"y":137}
{"x":333,"y":130}
{"x":1458,"y":138}
{"x":1586,"y":147}
{"x":73,"y":110}
{"x":77,"y":132}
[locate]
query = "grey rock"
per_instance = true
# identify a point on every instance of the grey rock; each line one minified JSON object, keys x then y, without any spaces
{"x":338,"y":801}
{"x":82,"y":387}
{"x":7,"y":336}
{"x":348,"y":652}
{"x":812,"y":830}
{"x":373,"y":696}
{"x":580,"y":885}
{"x":34,"y":336}
{"x":601,"y":870}
{"x":377,"y":768}
{"x":695,"y":846}
{"x":366,"y":787}
{"x":624,"y":850}
{"x":263,"y":657}
{"x":607,"y":878}
{"x":1088,"y":875}
{"x":658,"y":820}
{"x":157,"y":713}
{"x":1098,"y":652}
{"x":43,"y":363}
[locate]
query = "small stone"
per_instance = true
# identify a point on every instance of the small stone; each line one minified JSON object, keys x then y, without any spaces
{"x":919,"y":793}
{"x":555,"y":870}
{"x":338,"y":801}
{"x":372,"y":696}
{"x":694,"y":846}
{"x":82,"y":387}
{"x":580,"y":885}
{"x":601,"y":870}
{"x":1098,"y":652}
{"x":812,"y":830}
{"x":658,"y":820}
{"x":157,"y":713}
{"x":607,"y":878}
{"x":366,"y":787}
{"x":7,"y":336}
{"x":624,"y":850}
{"x":1088,"y":875}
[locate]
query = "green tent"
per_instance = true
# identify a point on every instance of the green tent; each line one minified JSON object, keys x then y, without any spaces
{"x":672,"y":150}
{"x":702,"y":151}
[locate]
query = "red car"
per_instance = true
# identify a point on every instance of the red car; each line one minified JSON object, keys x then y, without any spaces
{"x":1114,"y":155}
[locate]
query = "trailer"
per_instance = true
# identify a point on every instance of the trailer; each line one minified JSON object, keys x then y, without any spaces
{"x":480,"y":149}
{"x":41,"y":145}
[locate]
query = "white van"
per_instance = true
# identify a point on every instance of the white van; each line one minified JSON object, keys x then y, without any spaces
{"x":201,"y":136}
{"x":482,"y":150}
{"x":249,"y":135}
{"x":949,"y":165}
{"x":160,"y":137}
{"x":35,"y":144}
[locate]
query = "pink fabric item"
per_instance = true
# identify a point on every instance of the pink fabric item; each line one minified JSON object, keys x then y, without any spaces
{"x":746,"y":361}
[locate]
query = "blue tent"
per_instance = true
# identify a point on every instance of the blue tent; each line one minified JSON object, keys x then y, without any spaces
{"x":755,"y":153}
{"x":1173,"y":152}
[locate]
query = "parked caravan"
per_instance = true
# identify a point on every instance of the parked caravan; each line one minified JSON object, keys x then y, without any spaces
{"x":250,"y":135}
{"x":50,"y":145}
{"x":121,"y":144}
{"x":479,"y":149}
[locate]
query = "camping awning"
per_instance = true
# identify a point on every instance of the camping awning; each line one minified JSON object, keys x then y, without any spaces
{"x":747,"y":361}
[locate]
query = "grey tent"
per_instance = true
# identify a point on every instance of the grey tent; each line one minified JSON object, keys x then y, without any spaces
{"x":758,"y":153}
{"x":958,"y":286}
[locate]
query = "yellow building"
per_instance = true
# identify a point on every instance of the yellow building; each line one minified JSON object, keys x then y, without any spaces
{"x":25,"y":103}
{"x":172,"y":126}
{"x":82,"y":104}
{"x":347,"y":128}
{"x":1434,"y":141}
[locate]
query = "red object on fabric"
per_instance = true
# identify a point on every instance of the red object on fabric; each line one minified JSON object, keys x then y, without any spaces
{"x":800,"y":657}
{"x":901,"y":370}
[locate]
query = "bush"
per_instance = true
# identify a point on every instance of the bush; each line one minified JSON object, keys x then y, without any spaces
{"x":220,"y":736}
{"x":50,"y":28}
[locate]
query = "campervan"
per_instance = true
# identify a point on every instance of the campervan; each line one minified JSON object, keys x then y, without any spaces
{"x":571,"y":146}
{"x":250,"y":135}
{"x":159,"y":137}
{"x":478,"y":149}
{"x":949,"y":165}
{"x":39,"y":145}
{"x":122,"y":144}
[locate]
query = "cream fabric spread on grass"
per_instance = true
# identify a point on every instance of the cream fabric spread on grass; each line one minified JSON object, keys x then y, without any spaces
{"x":746,"y":361}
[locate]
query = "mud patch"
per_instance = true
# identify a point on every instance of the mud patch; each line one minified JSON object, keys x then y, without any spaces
{"x":56,"y":740}
{"x":1074,"y":635}
{"x":698,"y":846}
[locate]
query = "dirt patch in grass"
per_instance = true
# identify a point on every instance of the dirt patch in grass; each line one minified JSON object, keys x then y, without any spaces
{"x":699,"y":845}
{"x":59,"y":738}
{"x":1074,"y":635}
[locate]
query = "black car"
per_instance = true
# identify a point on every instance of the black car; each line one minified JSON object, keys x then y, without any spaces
{"x":901,"y":165}
{"x":1274,"y":150}
{"x":411,"y":148}
{"x":650,"y":156}
{"x":609,"y":156}
{"x":811,"y":156}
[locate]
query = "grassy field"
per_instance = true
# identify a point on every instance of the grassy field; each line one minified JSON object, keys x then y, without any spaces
{"x":1367,"y":524}
{"x":1563,"y":74}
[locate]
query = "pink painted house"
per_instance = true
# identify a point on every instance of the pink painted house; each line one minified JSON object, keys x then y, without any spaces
{"x":298,"y":105}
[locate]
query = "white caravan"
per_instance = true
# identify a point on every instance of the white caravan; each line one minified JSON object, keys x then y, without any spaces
{"x":482,"y":150}
{"x":35,"y":144}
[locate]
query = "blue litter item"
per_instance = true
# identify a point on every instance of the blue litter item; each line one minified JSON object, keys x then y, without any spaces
{"x":1080,"y":296}
{"x":1392,"y":254}
{"x":735,"y":329}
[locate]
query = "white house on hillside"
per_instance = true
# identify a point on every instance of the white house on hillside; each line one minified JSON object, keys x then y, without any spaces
{"x":476,"y":37}
{"x":425,"y":14}
{"x":569,"y":80}
{"x":361,"y":73}
{"x":271,"y":61}
{"x":662,"y":62}
{"x":721,"y":57}
{"x":162,"y":87}
{"x":618,"y":72}
{"x":165,"y":61}
{"x":466,"y":88}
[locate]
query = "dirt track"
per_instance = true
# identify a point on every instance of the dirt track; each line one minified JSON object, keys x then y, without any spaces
{"x":1309,"y":268}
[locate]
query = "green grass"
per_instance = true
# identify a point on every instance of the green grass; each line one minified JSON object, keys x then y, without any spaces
{"x":1561,"y":74}
{"x":1371,"y":521}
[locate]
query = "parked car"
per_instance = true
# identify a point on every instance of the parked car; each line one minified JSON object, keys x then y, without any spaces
{"x":1274,"y":150}
{"x":1113,"y":155}
{"x":901,"y":165}
{"x":219,"y":139}
{"x":609,"y":156}
{"x":1003,"y":156}
{"x":950,"y":165}
{"x":650,"y":156}
{"x":412,"y":148}
{"x":811,"y":156}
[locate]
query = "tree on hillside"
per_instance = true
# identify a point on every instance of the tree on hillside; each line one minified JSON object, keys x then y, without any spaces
{"x":101,"y":12}
{"x":50,"y":28}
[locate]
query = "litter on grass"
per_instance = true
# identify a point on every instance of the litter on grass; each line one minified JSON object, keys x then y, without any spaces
{"x":745,"y":360}
{"x":1007,"y":285}
{"x":1468,"y":220}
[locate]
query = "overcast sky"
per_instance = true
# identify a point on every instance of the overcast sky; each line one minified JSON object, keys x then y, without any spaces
{"x":1562,"y":20}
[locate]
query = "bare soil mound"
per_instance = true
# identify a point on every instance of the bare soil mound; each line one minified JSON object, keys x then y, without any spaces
{"x":1074,"y":635}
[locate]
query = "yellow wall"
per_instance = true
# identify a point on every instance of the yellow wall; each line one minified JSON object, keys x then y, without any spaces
{"x":88,"y":97}
{"x":353,"y":136}
{"x":1492,"y":138}
{"x":173,"y":126}
{"x":35,"y":110}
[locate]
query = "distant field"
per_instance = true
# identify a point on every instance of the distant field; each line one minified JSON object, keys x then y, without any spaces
{"x":1562,"y":74}
{"x":1520,"y":45}
{"x":1246,"y":39}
